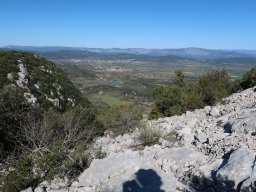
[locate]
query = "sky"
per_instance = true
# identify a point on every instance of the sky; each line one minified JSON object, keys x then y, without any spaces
{"x":212,"y":24}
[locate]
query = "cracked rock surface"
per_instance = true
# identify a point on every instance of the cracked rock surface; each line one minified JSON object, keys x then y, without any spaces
{"x":214,"y":149}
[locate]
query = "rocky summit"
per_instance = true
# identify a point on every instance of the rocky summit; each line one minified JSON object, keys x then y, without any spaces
{"x":211,"y":149}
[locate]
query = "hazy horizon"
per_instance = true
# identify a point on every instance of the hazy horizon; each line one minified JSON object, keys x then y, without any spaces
{"x":85,"y":47}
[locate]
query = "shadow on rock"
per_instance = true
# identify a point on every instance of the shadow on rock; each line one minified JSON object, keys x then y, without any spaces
{"x":228,"y":128}
{"x":145,"y":181}
{"x":205,"y":184}
{"x":215,"y":183}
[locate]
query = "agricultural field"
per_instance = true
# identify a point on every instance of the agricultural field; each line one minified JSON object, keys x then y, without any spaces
{"x":126,"y":78}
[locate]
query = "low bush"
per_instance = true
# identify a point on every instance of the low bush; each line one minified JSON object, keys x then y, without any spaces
{"x":13,"y":110}
{"x":53,"y":141}
{"x":249,"y":79}
{"x":168,"y":101}
{"x":21,"y":177}
{"x":149,"y":136}
{"x":120,"y":119}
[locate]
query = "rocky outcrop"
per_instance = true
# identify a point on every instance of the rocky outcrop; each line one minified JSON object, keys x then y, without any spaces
{"x":41,"y":82}
{"x":213,"y":149}
{"x":238,"y":168}
{"x":245,"y":123}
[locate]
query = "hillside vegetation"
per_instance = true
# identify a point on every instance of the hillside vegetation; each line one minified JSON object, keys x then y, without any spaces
{"x":45,"y":122}
{"x":184,"y":96}
{"x":41,"y":81}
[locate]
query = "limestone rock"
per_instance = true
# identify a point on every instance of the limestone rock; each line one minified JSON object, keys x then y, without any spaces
{"x":128,"y":170}
{"x":207,"y":109}
{"x":249,"y":185}
{"x":245,"y":123}
{"x":27,"y":190}
{"x":186,"y":134}
{"x":237,"y":169}
{"x":39,"y":189}
{"x":215,"y":112}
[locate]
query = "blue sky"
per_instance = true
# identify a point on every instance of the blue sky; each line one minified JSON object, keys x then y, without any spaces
{"x":214,"y":24}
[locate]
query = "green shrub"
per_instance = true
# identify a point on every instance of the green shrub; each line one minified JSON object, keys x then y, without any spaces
{"x":249,"y":79}
{"x":168,"y":101}
{"x":175,"y":99}
{"x":50,"y":164}
{"x":21,"y":177}
{"x":149,"y":136}
{"x":179,"y":79}
{"x":236,"y":86}
{"x":192,"y":98}
{"x":57,"y":143}
{"x":120,"y":119}
{"x":76,"y":126}
{"x":13,"y":110}
{"x":182,"y":96}
{"x":213,"y":86}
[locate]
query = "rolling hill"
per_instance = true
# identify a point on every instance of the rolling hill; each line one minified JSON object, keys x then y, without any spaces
{"x":193,"y":52}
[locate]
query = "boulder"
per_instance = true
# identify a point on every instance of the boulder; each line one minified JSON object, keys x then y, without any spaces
{"x":27,"y":190}
{"x":249,"y":185}
{"x":245,"y":123}
{"x":215,"y":112}
{"x":237,"y":169}
{"x":186,"y":135}
{"x":207,"y":109}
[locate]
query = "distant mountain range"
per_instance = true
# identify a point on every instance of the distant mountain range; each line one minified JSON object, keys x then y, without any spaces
{"x":192,"y":53}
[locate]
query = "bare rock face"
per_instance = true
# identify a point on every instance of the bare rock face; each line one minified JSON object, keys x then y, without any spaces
{"x":245,"y":123}
{"x":211,"y":149}
{"x":130,"y":171}
{"x":237,"y":169}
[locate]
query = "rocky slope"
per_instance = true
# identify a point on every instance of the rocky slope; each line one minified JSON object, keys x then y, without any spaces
{"x":40,"y":81}
{"x":212,"y":149}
